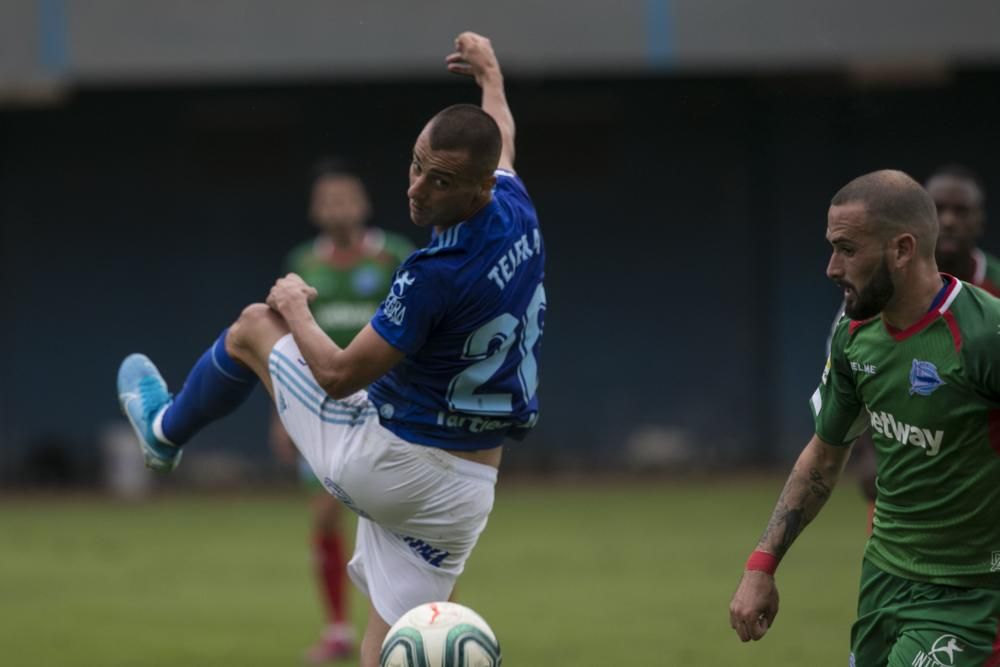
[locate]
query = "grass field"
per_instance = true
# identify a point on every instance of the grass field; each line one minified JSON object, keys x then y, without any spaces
{"x":567,"y":574}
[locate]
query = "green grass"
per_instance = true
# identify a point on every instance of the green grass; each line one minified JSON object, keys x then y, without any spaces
{"x":567,"y":574}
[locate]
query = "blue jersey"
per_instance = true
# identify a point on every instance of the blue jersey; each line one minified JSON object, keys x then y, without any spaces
{"x":468,"y":311}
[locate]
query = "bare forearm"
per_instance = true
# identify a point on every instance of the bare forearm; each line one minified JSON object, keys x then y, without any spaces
{"x":495,"y":104}
{"x":318,"y":351}
{"x":808,"y":488}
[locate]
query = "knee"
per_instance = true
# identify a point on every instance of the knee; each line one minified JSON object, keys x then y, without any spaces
{"x":257,"y":321}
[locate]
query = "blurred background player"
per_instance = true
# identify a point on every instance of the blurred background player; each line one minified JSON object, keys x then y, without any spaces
{"x":351,"y":265}
{"x":960,"y":202}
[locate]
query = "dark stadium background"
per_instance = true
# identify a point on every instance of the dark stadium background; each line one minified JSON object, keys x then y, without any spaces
{"x":682,"y":185}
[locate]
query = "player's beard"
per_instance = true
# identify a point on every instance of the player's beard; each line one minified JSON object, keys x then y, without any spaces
{"x":873,"y":297}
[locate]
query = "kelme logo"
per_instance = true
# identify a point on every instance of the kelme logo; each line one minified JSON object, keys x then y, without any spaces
{"x":394,"y":306}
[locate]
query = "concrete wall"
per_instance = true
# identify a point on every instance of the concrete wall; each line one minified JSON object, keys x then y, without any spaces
{"x":97,"y":42}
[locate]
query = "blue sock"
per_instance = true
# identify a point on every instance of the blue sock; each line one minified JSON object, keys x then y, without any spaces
{"x":216,"y":386}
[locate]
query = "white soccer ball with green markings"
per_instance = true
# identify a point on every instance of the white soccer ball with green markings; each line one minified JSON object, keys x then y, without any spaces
{"x":440,"y":634}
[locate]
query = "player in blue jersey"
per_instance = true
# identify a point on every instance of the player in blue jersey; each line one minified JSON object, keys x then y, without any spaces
{"x":450,"y":361}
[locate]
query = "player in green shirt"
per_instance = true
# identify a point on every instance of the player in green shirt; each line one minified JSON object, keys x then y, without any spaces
{"x":351,"y":265}
{"x":960,"y":202}
{"x":915,"y":360}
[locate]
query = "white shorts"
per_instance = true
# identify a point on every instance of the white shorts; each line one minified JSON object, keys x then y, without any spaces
{"x":421,"y":509}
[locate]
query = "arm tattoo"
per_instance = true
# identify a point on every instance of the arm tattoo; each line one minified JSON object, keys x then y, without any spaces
{"x":800,"y":502}
{"x":819,"y":486}
{"x":793,"y":521}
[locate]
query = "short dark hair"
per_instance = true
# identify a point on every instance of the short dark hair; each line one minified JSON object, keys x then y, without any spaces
{"x":960,"y":172}
{"x":894,"y":203}
{"x":332,"y":166}
{"x":466,"y":127}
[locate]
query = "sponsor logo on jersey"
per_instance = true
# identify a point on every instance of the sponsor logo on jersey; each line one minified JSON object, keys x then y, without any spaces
{"x":476,"y":424}
{"x":942,"y":653}
{"x":394,"y":308}
{"x":924,"y":378}
{"x":517,"y":254}
{"x":826,"y":370}
{"x":387,"y":410}
{"x":867,"y":369}
{"x":995,"y":563}
{"x":472,"y":423}
{"x":906,"y":434}
{"x":431,"y":554}
{"x":402,"y":281}
{"x":282,"y":403}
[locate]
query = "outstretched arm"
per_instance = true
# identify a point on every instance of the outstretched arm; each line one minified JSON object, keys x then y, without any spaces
{"x":474,"y":57}
{"x":755,"y":603}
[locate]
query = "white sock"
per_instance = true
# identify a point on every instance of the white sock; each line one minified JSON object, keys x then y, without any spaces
{"x":158,"y":427}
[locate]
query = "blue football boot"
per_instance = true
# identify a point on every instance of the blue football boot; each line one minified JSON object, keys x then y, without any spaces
{"x":143,"y":394}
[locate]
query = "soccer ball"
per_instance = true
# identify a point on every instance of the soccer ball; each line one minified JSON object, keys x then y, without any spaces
{"x":440,"y":634}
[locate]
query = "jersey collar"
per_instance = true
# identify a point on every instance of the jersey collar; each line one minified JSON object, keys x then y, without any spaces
{"x":951,"y":291}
